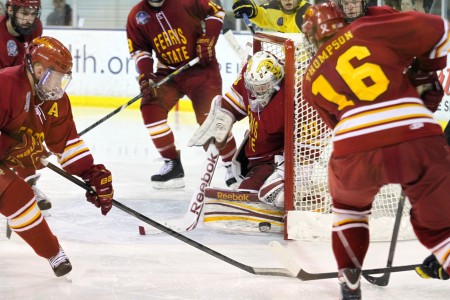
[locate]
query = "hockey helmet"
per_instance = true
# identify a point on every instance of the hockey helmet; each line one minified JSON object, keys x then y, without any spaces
{"x":57,"y":64}
{"x":262,"y":78}
{"x":322,"y":21}
{"x":352,"y":9}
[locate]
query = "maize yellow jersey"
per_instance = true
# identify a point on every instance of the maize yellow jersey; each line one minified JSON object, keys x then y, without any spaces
{"x":270,"y":16}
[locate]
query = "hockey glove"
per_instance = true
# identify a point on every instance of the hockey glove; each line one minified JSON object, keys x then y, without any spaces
{"x":100,"y":179}
{"x":431,"y":268}
{"x":147,"y":84}
{"x":205,"y":49}
{"x":428,"y":87}
{"x":244,"y":7}
{"x":27,"y":153}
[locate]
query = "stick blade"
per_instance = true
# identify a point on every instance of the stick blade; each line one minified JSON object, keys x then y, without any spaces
{"x":176,"y":225}
{"x":380,"y":281}
{"x":280,"y":253}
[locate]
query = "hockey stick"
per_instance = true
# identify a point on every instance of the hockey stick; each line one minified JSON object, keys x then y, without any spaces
{"x":236,"y":47}
{"x":296,"y":270}
{"x":248,"y":23}
{"x":384,"y":279}
{"x":195,"y":208}
{"x":157,"y":85}
{"x":253,"y":270}
{"x":8,"y":230}
{"x":119,"y":109}
{"x":233,"y":43}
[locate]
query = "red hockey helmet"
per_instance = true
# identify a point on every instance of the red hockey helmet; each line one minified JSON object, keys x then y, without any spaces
{"x":57,"y":62}
{"x":24,"y":3}
{"x":322,"y":21}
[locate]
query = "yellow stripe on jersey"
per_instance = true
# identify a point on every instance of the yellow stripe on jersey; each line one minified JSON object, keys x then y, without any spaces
{"x":389,"y":114}
{"x":74,"y":150}
{"x":26,"y":217}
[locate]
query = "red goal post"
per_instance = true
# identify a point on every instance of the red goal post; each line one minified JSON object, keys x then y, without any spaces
{"x":307,"y":150}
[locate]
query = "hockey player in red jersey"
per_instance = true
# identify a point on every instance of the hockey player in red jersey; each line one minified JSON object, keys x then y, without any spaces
{"x":384,"y":131}
{"x":258,"y":94}
{"x":34,"y":109}
{"x":170,"y":31}
{"x":18,"y":28}
{"x":355,"y":9}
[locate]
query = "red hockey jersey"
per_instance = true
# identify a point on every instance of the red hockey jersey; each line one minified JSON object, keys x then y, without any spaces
{"x":356,"y":80}
{"x":266,"y":128}
{"x":170,"y":31}
{"x":49,"y":121}
{"x":12,"y":49}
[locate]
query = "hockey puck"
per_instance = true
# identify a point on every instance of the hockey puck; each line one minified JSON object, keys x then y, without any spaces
{"x":264,"y":226}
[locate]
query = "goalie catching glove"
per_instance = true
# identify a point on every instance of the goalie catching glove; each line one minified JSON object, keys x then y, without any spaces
{"x":100,"y":179}
{"x":205,"y":49}
{"x":216,"y":127}
{"x":27,"y":153}
{"x":247,"y":7}
{"x":431,"y":268}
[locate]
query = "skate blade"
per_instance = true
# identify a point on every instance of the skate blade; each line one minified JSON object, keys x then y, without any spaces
{"x":177,"y":183}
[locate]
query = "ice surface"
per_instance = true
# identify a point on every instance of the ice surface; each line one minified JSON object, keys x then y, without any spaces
{"x":112,"y":261}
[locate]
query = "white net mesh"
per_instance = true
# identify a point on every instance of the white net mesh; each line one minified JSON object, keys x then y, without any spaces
{"x":311,"y":216}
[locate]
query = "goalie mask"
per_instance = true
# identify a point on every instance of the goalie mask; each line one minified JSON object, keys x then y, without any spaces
{"x":24,"y":15}
{"x":56,"y":61}
{"x":322,"y":21}
{"x":262,"y":78}
{"x":156,"y":3}
{"x":352,"y":9}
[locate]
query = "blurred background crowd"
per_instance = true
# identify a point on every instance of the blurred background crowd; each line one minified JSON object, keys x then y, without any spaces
{"x":106,"y":14}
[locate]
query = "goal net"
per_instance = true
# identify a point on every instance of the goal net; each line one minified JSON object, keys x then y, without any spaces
{"x":307,"y":151}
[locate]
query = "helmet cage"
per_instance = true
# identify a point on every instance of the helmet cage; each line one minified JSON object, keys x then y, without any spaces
{"x":56,"y":60}
{"x":262,"y":78}
{"x":29,"y":7}
{"x":357,"y":13}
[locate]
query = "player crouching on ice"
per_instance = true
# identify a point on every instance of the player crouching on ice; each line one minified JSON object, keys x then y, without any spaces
{"x":34,"y":109}
{"x":258,"y":94}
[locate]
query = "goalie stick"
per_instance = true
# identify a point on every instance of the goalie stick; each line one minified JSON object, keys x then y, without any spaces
{"x":296,"y":270}
{"x":233,"y":43}
{"x":195,"y":208}
{"x":158,"y":84}
{"x":253,"y":270}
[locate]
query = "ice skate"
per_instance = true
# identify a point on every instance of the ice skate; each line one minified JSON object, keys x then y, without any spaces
{"x":60,"y":263}
{"x":170,"y":176}
{"x":230,"y":179}
{"x":42,"y":200}
{"x":350,"y":284}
